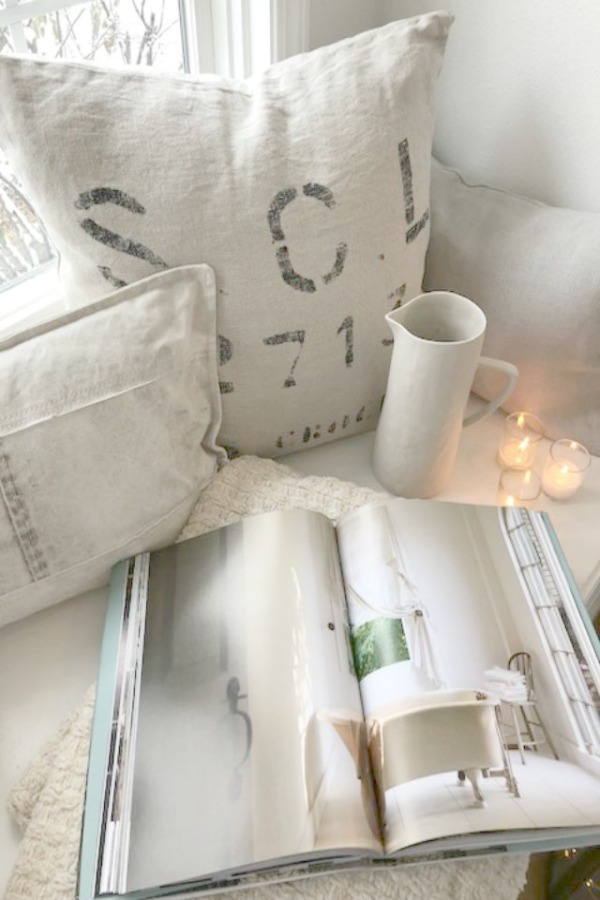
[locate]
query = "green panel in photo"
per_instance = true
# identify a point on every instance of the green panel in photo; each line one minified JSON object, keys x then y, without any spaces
{"x":378,"y":643}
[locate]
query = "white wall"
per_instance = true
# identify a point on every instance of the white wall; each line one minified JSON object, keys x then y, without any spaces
{"x":519,"y":95}
{"x":437,"y":551}
{"x":332,"y":20}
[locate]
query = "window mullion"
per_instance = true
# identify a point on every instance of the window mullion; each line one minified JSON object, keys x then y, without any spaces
{"x":259,"y":30}
{"x":199,"y":35}
{"x":11,"y":19}
{"x":289,"y":33}
{"x":14,"y":13}
{"x":245,"y":47}
{"x":237,"y":38}
{"x":222,"y":35}
{"x":19,"y":40}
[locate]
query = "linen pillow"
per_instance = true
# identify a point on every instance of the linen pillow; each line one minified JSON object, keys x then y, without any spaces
{"x":306,"y":189}
{"x":533,"y":269}
{"x":108,"y":419}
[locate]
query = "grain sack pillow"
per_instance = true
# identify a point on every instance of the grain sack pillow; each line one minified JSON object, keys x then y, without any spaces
{"x":534,"y":271}
{"x":108,"y":418}
{"x":305,"y":188}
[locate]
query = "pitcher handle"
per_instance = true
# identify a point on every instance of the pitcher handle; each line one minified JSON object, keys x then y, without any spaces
{"x":511,"y":372}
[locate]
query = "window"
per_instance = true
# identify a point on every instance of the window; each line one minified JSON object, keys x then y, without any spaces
{"x":23,"y":242}
{"x":107,"y":32}
{"x":561,"y":624}
{"x":233,"y":38}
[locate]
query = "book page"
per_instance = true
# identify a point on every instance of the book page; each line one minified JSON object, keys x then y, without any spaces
{"x":251,"y":742}
{"x":440,"y":597}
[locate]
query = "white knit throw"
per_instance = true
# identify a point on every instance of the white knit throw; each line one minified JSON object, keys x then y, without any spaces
{"x":47,"y":803}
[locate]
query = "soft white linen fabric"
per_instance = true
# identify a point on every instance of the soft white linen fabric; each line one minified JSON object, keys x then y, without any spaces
{"x":508,"y":684}
{"x":533,"y":269}
{"x":306,"y":188}
{"x":48,"y":802}
{"x":108,"y":422}
{"x":510,"y":677}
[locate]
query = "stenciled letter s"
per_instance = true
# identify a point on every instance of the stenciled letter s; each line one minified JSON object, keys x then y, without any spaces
{"x":100,"y":196}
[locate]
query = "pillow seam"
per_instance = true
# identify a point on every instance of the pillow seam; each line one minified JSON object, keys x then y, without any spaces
{"x":22,"y":526}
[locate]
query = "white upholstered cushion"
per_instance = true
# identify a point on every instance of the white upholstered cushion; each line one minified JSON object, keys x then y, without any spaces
{"x":534,"y":271}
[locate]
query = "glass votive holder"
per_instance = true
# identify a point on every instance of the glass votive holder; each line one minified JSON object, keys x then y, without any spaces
{"x":521,"y":438}
{"x":518,"y":487}
{"x":565,"y":468}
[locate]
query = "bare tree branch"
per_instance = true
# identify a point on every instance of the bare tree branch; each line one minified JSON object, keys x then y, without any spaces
{"x":70,"y":31}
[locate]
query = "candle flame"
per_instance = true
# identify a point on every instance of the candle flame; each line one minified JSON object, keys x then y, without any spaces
{"x":573,"y":445}
{"x":527,"y":476}
{"x":564,"y":470}
{"x":520,"y":420}
{"x":524,"y":444}
{"x":510,"y":500}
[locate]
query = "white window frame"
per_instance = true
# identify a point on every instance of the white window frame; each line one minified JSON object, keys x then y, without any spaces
{"x":30,"y":299}
{"x":233,"y":38}
{"x":547,"y":588}
{"x":228,"y":36}
{"x":222,"y":36}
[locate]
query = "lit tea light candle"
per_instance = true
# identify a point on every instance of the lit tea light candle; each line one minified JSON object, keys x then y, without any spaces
{"x":565,"y":469}
{"x":518,"y":487}
{"x":522,"y":433}
{"x":517,"y":453}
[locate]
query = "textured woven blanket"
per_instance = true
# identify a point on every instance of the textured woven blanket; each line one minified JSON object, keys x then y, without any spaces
{"x":47,"y":803}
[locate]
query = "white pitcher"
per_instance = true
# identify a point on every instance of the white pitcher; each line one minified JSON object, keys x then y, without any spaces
{"x":438,"y":338}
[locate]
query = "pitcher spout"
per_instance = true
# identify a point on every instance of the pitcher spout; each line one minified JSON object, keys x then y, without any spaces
{"x":438,"y":317}
{"x":396,"y":318}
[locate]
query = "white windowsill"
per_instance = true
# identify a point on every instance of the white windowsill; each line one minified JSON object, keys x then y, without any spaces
{"x":33,"y":300}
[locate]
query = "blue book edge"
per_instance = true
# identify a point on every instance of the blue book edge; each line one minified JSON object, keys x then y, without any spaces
{"x":101,"y":733}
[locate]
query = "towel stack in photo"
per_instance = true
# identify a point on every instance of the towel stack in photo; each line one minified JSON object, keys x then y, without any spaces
{"x":507,"y":684}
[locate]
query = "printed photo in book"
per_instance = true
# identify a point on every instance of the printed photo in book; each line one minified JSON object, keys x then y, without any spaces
{"x":283,"y":696}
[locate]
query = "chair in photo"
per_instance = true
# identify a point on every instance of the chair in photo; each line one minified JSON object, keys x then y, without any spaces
{"x":530,"y":718}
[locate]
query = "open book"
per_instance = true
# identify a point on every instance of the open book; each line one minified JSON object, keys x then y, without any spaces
{"x":282,"y":696}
